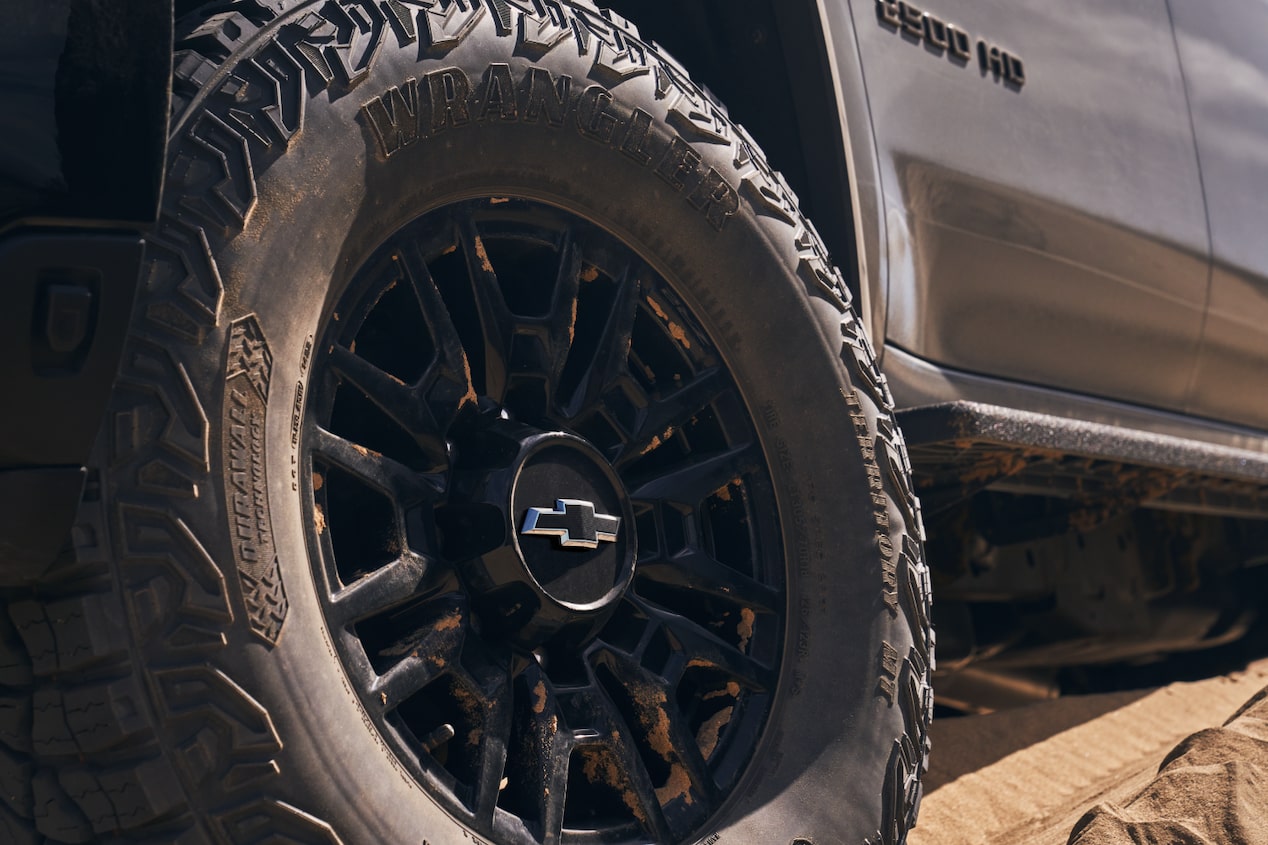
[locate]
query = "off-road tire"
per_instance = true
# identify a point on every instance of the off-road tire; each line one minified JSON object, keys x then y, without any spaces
{"x":176,"y":680}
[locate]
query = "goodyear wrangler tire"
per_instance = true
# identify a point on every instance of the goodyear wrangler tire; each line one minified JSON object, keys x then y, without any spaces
{"x":425,"y":268}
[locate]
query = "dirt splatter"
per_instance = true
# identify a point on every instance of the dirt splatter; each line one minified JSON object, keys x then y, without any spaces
{"x":470,"y":397}
{"x":318,"y":481}
{"x":483,"y":255}
{"x":498,"y":200}
{"x":732,"y":690}
{"x":656,"y":719}
{"x":724,"y":492}
{"x":450,"y":622}
{"x":600,"y":768}
{"x":995,"y":468}
{"x":675,"y":331}
{"x":539,"y":698}
{"x":745,"y":628}
{"x":678,"y":785}
{"x":589,"y":273}
{"x":658,"y":440}
{"x":572,"y":323}
{"x":631,"y":800}
{"x":319,"y":519}
{"x":711,"y":730}
{"x":449,"y":250}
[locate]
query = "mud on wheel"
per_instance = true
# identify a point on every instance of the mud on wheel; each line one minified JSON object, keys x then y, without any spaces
{"x":496,"y":456}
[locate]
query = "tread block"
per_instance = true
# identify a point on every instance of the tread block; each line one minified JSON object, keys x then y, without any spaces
{"x":56,"y":815}
{"x":15,"y":830}
{"x":765,"y":189}
{"x":341,"y":41}
{"x":70,"y":635}
{"x":213,"y":173}
{"x":184,"y":282}
{"x":275,"y":821}
{"x":447,"y":23}
{"x":271,"y":98}
{"x":50,"y":735}
{"x":535,"y":37}
{"x":230,"y":736}
{"x":123,"y":798}
{"x":218,"y":35}
{"x":173,"y":574}
{"x":156,"y":402}
{"x":15,"y":722}
{"x":15,"y":663}
{"x":15,"y":783}
{"x":105,"y":715}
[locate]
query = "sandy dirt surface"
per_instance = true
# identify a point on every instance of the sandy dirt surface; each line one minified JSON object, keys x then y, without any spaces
{"x":1027,"y":776}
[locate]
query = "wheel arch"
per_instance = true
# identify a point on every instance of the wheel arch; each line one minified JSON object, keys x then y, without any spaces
{"x":799,"y":92}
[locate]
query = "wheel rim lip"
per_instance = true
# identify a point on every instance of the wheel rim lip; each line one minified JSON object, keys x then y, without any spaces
{"x":433,"y":784}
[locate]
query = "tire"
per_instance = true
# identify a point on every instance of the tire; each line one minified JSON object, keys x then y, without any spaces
{"x":419,"y":267}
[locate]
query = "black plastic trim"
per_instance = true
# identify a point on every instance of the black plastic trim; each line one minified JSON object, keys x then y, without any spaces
{"x":1008,"y":426}
{"x":65,"y":302}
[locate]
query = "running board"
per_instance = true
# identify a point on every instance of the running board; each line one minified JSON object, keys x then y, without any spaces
{"x":960,"y":448}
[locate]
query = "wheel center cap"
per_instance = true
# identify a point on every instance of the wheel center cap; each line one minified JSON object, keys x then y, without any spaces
{"x":571,"y":520}
{"x":568,"y":544}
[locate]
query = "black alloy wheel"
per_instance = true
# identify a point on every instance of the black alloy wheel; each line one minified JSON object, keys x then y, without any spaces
{"x":500,"y":356}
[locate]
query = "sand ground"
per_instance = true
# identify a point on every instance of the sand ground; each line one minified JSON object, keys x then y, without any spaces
{"x":1026,"y":776}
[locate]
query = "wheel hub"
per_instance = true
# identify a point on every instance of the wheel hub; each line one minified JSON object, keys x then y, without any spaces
{"x":543,"y":528}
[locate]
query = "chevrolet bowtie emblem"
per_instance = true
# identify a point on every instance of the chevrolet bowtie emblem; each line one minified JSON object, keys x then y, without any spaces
{"x":574,"y":522}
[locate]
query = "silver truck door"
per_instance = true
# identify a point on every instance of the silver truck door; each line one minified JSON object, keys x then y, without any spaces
{"x":1224,"y":54}
{"x":1044,"y":212}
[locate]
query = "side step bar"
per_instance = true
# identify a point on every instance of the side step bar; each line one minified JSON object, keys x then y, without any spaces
{"x":960,"y":448}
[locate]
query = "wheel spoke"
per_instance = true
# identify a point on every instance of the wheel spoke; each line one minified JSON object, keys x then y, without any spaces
{"x":496,"y":322}
{"x":690,"y":483}
{"x":609,"y":362}
{"x":702,"y":648}
{"x":561,"y":322}
{"x":545,"y":772}
{"x":447,"y":382}
{"x":495,"y":734}
{"x":553,"y":796}
{"x":435,"y":310}
{"x":662,"y":729}
{"x":385,"y":588}
{"x":389,"y":393}
{"x":610,"y":731}
{"x":694,"y":571}
{"x":424,"y":657}
{"x":395,"y":479}
{"x":663,"y":416}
